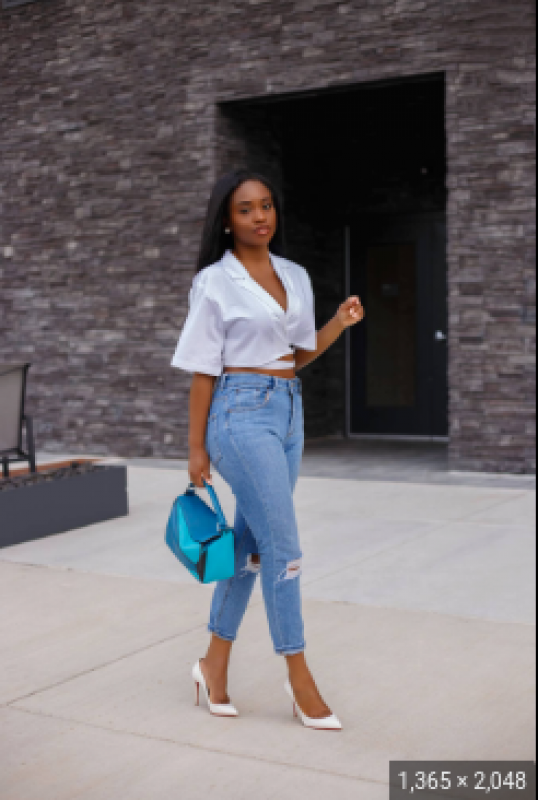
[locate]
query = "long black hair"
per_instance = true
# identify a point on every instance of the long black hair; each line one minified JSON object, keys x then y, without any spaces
{"x":215,"y":241}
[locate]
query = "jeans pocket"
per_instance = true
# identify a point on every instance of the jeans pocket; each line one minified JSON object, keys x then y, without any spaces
{"x":248,"y":398}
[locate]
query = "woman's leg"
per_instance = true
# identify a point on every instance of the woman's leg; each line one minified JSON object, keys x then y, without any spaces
{"x":230,"y":598}
{"x":260,"y":459}
{"x":256,"y":466}
{"x":304,"y":688}
{"x":248,"y":450}
{"x":228,"y":605}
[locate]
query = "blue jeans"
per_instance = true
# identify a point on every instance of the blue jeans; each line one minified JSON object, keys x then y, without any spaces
{"x":255,"y":439}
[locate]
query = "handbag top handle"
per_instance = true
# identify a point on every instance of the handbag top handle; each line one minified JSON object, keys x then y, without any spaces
{"x":191,"y":489}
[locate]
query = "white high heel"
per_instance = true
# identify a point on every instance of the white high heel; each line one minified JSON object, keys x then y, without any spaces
{"x":218,"y":709}
{"x":330,"y":723}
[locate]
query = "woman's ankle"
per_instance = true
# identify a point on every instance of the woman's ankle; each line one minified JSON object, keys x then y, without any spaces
{"x":298,"y":671}
{"x":215,"y":667}
{"x":218,"y":654}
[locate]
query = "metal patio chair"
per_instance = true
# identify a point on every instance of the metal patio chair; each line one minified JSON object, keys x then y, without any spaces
{"x":13,"y":418}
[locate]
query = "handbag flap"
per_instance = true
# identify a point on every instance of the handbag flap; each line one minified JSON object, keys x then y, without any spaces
{"x":200,"y":519}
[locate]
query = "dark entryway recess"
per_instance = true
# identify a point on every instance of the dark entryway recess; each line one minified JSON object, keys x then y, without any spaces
{"x":363,"y":175}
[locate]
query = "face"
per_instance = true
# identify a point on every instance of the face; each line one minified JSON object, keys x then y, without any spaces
{"x":252,"y":214}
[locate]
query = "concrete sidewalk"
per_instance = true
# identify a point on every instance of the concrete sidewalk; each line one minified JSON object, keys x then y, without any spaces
{"x":419,"y":604}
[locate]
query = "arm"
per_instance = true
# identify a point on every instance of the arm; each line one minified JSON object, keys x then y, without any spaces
{"x":199,"y":404}
{"x":324,"y":339}
{"x":349,"y":313}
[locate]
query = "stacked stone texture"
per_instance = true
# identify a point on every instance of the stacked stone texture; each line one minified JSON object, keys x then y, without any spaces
{"x":112,"y":137}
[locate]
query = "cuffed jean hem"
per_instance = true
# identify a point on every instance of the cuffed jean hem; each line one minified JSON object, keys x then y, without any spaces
{"x":290,"y":651}
{"x":220,"y":634}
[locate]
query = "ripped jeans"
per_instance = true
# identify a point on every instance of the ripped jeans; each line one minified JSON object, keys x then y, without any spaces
{"x":255,"y":439}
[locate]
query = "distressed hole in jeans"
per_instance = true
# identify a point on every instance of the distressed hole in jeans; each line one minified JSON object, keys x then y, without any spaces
{"x":293,"y":570}
{"x":252,"y":565}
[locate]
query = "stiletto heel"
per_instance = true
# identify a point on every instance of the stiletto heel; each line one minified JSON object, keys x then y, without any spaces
{"x":331,"y":723}
{"x":217,"y":709}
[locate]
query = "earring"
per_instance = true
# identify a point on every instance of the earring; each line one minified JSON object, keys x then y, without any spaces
{"x":227,"y":230}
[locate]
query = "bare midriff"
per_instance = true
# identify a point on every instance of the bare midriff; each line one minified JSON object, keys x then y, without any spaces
{"x":285,"y":372}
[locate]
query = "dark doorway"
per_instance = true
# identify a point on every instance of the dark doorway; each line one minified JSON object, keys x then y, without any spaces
{"x":362,"y":170}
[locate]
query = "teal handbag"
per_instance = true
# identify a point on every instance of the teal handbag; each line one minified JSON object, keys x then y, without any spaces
{"x":199,"y":536}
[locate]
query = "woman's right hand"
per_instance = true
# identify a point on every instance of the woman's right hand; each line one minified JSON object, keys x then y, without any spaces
{"x":199,"y":465}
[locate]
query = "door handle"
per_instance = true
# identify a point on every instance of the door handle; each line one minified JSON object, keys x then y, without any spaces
{"x":440,"y":336}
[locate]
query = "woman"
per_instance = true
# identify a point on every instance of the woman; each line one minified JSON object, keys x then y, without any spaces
{"x":251,"y":311}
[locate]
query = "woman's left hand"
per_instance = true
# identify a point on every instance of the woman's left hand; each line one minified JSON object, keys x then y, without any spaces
{"x":350,"y":312}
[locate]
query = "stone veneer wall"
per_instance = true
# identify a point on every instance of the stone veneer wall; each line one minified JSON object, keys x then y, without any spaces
{"x":111,"y":139}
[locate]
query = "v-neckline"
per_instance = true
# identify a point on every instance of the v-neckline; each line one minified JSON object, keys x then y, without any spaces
{"x":275,"y":301}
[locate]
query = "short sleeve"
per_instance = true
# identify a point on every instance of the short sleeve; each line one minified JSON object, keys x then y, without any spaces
{"x":201,"y":341}
{"x":311,"y":297}
{"x":306,"y":334}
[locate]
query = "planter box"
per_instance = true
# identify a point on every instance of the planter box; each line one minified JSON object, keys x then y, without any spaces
{"x":51,"y":505}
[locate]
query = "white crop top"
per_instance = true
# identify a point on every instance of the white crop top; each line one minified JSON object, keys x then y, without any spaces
{"x":232,"y":321}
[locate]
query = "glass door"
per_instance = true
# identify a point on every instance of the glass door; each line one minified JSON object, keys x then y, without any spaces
{"x":398,"y":356}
